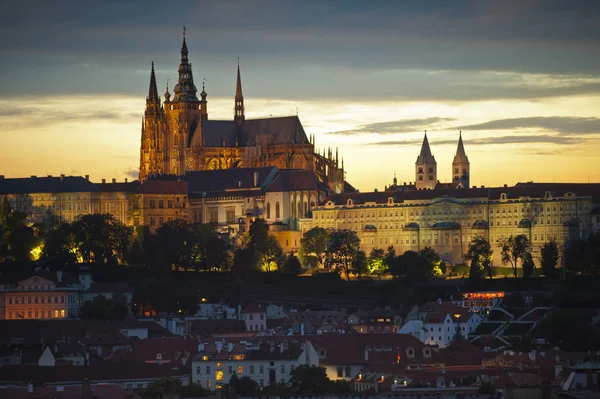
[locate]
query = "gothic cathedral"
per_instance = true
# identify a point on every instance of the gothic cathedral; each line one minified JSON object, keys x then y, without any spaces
{"x":178,"y":136}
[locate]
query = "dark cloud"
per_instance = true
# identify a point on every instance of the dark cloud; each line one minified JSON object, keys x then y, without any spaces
{"x":516,"y":139}
{"x":394,"y":127}
{"x":559,"y":124}
{"x":299,"y":50}
{"x":13,"y":116}
{"x":132,"y":174}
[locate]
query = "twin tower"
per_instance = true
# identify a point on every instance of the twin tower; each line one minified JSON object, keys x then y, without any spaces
{"x":426,"y":167}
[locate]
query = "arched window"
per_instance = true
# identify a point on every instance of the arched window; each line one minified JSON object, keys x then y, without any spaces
{"x":299,"y":209}
{"x":268,"y":210}
{"x":305,"y":208}
{"x":277,"y":210}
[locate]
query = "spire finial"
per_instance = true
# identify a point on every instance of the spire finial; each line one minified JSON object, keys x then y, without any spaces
{"x":203,"y":81}
{"x":184,"y":32}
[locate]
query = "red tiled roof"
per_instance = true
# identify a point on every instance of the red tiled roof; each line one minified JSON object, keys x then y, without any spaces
{"x":254,"y":308}
{"x":68,"y":392}
{"x":208,"y":327}
{"x":172,"y":350}
{"x":163,"y":187}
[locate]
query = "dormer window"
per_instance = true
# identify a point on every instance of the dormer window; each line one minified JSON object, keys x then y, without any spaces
{"x":349,"y":202}
{"x":410,"y":353}
{"x":503,"y":196}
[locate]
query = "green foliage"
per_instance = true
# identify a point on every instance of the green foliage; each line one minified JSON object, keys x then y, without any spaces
{"x":313,"y":380}
{"x":244,"y":386}
{"x":342,"y":248}
{"x":412,"y":266}
{"x":528,"y":266}
{"x":100,"y":238}
{"x":171,"y":386}
{"x":292,"y":265}
{"x":313,"y":245}
{"x":513,"y":249}
{"x":359,"y":264}
{"x":583,"y":256}
{"x":265,"y":249}
{"x":481,"y":255}
{"x":278,"y":389}
{"x":434,"y":262}
{"x":549,"y":258}
{"x":17,"y":239}
{"x":376,"y":265}
{"x":105,"y":309}
{"x":60,"y":246}
{"x":571,"y":329}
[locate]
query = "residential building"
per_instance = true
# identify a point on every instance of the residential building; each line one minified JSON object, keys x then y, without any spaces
{"x":266,"y":363}
{"x":158,"y":201}
{"x":255,"y":317}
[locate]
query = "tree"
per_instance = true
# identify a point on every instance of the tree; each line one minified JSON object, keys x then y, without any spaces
{"x":359,"y":264}
{"x":549,"y":257}
{"x":313,"y":245}
{"x":481,"y":255}
{"x":265,"y":247}
{"x":412,"y":266}
{"x":583,"y":256}
{"x":342,"y":248}
{"x":375,"y":262}
{"x":244,"y":386}
{"x":105,"y":309}
{"x":309,"y":379}
{"x":60,"y":247}
{"x":167,"y":386}
{"x":571,"y":329}
{"x":292,"y":265}
{"x":434,"y":261}
{"x":17,"y":239}
{"x":100,"y":238}
{"x":528,"y":265}
{"x":513,"y":249}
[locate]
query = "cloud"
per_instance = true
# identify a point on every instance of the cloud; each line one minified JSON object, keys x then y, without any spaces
{"x":395,"y":127}
{"x":515,"y":139}
{"x":559,"y":124}
{"x":132,"y":174}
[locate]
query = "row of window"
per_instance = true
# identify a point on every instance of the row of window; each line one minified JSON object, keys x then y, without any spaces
{"x":219,"y":373}
{"x":161,"y":203}
{"x":36,"y":314}
{"x":35,"y":299}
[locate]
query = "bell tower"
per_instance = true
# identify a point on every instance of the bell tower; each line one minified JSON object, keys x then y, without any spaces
{"x":460,"y":165}
{"x":239,"y":116}
{"x":425,"y":168}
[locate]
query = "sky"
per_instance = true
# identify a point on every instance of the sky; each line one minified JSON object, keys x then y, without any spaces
{"x":520,"y":79}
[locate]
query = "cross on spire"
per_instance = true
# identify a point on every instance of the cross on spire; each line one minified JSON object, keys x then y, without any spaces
{"x":184,"y":31}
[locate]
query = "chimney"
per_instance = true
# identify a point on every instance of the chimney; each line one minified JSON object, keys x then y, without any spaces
{"x":1,"y":177}
{"x":439,"y":300}
{"x":33,"y":176}
{"x":230,"y":347}
{"x":200,"y":347}
{"x":159,"y":358}
{"x":103,"y":181}
{"x":59,"y":275}
{"x":62,"y":177}
{"x":366,"y":355}
{"x":114,"y":180}
{"x":281,"y":347}
{"x":87,"y":177}
{"x":125,"y":180}
{"x":505,"y":185}
{"x":255,"y":179}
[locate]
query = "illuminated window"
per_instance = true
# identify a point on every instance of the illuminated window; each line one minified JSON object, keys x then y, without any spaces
{"x":219,"y":375}
{"x":62,"y":313}
{"x":56,"y":313}
{"x":204,"y":357}
{"x":240,"y":370}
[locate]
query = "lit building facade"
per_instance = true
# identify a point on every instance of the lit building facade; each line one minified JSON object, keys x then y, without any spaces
{"x":177,"y":136}
{"x":449,"y":216}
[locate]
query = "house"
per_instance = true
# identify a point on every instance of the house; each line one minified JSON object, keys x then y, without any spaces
{"x":378,"y":320}
{"x":255,"y":317}
{"x":265,"y":362}
{"x":437,"y":323}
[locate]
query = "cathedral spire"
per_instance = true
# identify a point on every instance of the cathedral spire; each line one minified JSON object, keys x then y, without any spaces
{"x":185,"y":90}
{"x":461,"y":155}
{"x":239,"y":116}
{"x":152,"y":90}
{"x":425,"y":156}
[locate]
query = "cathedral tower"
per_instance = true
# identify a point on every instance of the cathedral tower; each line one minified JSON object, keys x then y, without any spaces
{"x":460,"y":165}
{"x":425,"y":168}
{"x":239,"y":116}
{"x":152,"y":127}
{"x":183,"y":114}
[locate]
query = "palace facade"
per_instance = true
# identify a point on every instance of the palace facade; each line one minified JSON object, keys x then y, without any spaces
{"x":178,"y":137}
{"x":447,"y":216}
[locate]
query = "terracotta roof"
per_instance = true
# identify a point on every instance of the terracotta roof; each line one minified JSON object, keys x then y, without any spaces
{"x":293,"y":351}
{"x":533,"y":190}
{"x":68,"y":392}
{"x":209,"y":327}
{"x":118,"y":187}
{"x":176,"y":350}
{"x":254,"y":308}
{"x":159,"y":186}
{"x":106,"y":371}
{"x":215,"y":182}
{"x":52,"y":184}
